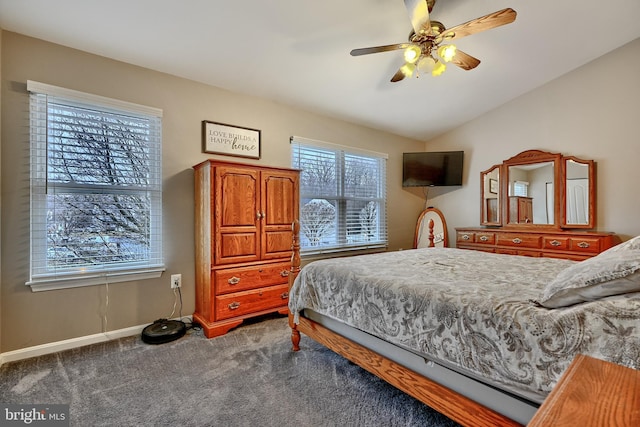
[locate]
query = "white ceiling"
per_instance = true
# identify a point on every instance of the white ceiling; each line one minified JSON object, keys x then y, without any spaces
{"x":296,"y":52}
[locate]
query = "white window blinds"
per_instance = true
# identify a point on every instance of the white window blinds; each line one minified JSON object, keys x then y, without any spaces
{"x":342,"y":196}
{"x":96,"y":189}
{"x":521,"y":188}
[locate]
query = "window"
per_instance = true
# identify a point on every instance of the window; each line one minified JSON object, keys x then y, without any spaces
{"x":521,"y":188}
{"x":96,"y":191}
{"x":342,"y":196}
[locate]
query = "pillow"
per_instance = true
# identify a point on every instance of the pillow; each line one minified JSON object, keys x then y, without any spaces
{"x":631,"y":244}
{"x":610,"y":273}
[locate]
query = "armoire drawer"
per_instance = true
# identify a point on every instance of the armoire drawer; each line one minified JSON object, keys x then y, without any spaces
{"x":243,"y":278}
{"x":247,"y":302}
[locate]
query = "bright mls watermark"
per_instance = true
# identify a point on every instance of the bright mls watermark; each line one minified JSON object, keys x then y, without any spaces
{"x":34,"y":415}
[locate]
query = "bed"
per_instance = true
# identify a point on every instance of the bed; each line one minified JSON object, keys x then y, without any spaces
{"x":479,"y":337}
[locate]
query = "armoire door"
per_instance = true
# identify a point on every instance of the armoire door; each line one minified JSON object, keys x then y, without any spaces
{"x":280,"y":209}
{"x":237,"y":215}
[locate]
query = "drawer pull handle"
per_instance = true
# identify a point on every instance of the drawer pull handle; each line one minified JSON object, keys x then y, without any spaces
{"x":465,"y":237}
{"x":583,"y":245}
{"x":284,"y":295}
{"x":234,"y":305}
{"x":517,"y":241}
{"x":234,"y":280}
{"x":555,"y":243}
{"x":484,"y":238}
{"x":284,"y":273}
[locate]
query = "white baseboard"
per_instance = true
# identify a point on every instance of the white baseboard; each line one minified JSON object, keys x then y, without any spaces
{"x":54,"y":347}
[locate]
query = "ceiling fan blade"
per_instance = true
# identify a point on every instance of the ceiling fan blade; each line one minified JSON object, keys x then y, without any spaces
{"x":492,"y":20}
{"x":377,"y":49}
{"x":465,"y":61}
{"x":399,"y":75}
{"x":419,"y":15}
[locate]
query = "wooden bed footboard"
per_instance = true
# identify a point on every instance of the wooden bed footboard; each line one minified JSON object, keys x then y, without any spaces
{"x":442,"y":399}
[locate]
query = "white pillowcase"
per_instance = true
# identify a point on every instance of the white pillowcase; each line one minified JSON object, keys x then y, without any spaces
{"x":609,"y":273}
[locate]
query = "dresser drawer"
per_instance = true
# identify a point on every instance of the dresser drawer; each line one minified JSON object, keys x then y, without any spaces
{"x":253,"y":277}
{"x":247,"y":302}
{"x":480,"y":237}
{"x":534,"y":254}
{"x":465,"y":237}
{"x":565,"y":255}
{"x":485,"y":238}
{"x":518,"y":240}
{"x":585,"y":245}
{"x":556,"y":242}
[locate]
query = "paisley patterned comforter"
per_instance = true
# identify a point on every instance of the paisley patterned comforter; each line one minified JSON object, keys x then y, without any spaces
{"x":473,"y":312}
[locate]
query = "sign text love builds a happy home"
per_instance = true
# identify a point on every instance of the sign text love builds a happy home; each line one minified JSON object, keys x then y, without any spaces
{"x":219,"y":138}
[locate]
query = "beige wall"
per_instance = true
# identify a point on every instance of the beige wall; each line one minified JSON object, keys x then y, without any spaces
{"x":592,"y":112}
{"x":29,"y":319}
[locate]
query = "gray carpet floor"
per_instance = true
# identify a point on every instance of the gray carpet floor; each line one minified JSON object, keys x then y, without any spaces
{"x":248,"y":377}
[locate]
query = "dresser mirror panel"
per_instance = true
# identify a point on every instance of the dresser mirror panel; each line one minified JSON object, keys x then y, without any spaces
{"x":532,"y":193}
{"x":539,"y":189}
{"x":579,"y":206}
{"x":533,"y":189}
{"x":490,"y":196}
{"x":538,"y":204}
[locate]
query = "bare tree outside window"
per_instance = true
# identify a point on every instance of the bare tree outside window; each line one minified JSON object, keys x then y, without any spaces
{"x":369,"y":221}
{"x":95,"y":181}
{"x":97,"y":170}
{"x":319,"y":174}
{"x":317,"y":221}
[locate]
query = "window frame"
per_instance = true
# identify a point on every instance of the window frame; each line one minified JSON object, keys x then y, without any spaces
{"x":41,"y":275}
{"x":341,"y":199}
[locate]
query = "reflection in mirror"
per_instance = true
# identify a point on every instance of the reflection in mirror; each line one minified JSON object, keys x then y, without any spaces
{"x":577,"y":192}
{"x":491,"y":196}
{"x":531,"y":194}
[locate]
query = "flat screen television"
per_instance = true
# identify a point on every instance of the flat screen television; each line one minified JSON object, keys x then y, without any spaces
{"x":432,"y":169}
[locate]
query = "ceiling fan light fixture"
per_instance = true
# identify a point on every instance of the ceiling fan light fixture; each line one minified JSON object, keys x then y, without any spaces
{"x":412,"y":53}
{"x":424,"y":53}
{"x":426,"y":64}
{"x":408,"y":69}
{"x":447,"y":52}
{"x":438,"y":69}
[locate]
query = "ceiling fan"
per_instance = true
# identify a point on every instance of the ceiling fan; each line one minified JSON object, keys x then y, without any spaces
{"x":427,"y":36}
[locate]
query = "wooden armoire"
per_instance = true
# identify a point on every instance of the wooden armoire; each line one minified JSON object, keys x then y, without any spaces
{"x":243,"y":217}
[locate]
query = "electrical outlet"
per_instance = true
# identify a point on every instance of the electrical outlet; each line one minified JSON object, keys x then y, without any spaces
{"x":176,"y":281}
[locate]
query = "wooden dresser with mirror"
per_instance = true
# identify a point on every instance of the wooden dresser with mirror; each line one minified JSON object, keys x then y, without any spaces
{"x":540,"y":204}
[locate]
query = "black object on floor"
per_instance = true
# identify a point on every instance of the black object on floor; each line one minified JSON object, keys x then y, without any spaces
{"x":162,"y":331}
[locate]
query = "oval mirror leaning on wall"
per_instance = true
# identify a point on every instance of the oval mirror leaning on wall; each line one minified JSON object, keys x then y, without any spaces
{"x":431,"y":230}
{"x":579,"y":194}
{"x":490,"y":196}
